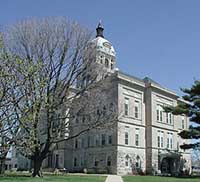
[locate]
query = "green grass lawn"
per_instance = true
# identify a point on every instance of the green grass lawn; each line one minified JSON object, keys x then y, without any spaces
{"x":52,"y":178}
{"x":158,"y":179}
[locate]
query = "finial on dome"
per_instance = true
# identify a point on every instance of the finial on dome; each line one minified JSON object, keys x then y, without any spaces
{"x":100,"y":29}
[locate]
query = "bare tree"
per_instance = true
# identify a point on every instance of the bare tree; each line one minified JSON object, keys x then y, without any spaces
{"x":3,"y":90}
{"x":51,"y":55}
{"x":8,"y":122}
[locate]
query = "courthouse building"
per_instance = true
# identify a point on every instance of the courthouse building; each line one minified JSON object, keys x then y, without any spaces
{"x":144,"y":138}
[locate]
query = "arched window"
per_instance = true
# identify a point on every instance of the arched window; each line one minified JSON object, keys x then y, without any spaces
{"x":138,"y":162}
{"x":106,"y":63}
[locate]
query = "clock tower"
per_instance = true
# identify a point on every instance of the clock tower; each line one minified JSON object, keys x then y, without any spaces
{"x":101,"y":59}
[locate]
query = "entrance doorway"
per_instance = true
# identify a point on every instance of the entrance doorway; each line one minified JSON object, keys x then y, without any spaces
{"x":166,"y":166}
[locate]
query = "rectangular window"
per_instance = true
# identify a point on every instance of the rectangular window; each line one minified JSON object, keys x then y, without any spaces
{"x":137,"y":136}
{"x":157,"y":114}
{"x":170,"y":118}
{"x":161,"y":139}
{"x":183,"y":123}
{"x":81,"y":161}
{"x":137,"y":139}
{"x":136,"y":109}
{"x":126,"y":107}
{"x":126,"y":138}
{"x":177,"y":146}
{"x":171,"y":144}
{"x":103,"y":139}
{"x":161,"y":115}
{"x":76,"y":143}
{"x":167,"y":117}
{"x":110,"y":139}
{"x":109,"y":161}
{"x":75,"y":162}
{"x":168,"y":142}
{"x":136,"y":112}
{"x":171,"y":141}
{"x":158,"y":140}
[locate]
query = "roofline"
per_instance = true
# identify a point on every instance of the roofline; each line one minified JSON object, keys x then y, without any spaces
{"x":141,"y":82}
{"x":163,"y":89}
{"x":180,"y":99}
{"x":130,"y":78}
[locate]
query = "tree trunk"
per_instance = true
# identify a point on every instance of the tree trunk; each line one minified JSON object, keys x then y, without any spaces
{"x":2,"y":166}
{"x":37,"y":164}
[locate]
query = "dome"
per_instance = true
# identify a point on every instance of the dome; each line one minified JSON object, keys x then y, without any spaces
{"x":100,"y":43}
{"x":103,"y":45}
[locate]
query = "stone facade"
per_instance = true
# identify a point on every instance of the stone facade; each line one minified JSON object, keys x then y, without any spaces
{"x":145,"y":138}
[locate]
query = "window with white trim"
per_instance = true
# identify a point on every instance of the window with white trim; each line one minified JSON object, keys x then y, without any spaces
{"x":159,"y":113}
{"x":136,"y":109}
{"x":170,"y":118}
{"x":126,"y":106}
{"x":169,"y":140}
{"x":160,"y":139}
{"x":137,"y":136}
{"x":183,"y":122}
{"x":167,"y":117}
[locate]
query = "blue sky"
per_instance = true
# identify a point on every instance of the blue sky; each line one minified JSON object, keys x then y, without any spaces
{"x":155,"y":38}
